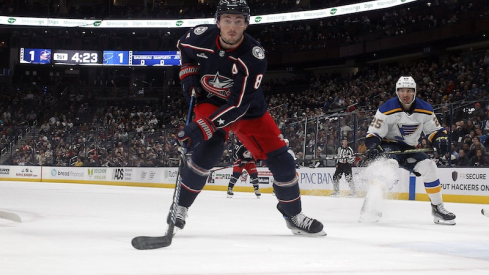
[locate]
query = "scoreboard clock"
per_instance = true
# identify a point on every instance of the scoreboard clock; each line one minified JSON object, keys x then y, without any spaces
{"x":77,"y":57}
{"x":35,"y":56}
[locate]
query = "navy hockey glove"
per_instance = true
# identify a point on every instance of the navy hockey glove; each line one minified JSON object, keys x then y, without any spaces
{"x":190,"y":80}
{"x":373,"y":152}
{"x":441,"y":145}
{"x":196,"y":132}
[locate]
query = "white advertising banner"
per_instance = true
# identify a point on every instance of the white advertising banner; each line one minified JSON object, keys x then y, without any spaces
{"x":21,"y":172}
{"x":185,"y":23}
{"x":312,"y":179}
{"x":461,"y":181}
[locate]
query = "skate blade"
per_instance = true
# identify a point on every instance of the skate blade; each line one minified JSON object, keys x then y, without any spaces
{"x":229,"y":196}
{"x":443,"y":222}
{"x":298,"y":232}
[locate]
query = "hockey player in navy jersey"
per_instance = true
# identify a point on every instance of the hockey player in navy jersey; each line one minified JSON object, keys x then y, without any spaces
{"x":244,"y":161}
{"x":398,"y":125}
{"x":225,"y":67}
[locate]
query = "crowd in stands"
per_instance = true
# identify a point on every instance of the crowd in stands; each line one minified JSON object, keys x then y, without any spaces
{"x":154,"y":9}
{"x":313,"y":113}
{"x":293,"y":36}
{"x":314,"y":116}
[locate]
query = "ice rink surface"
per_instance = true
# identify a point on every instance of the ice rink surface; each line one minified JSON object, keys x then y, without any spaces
{"x":73,"y":229}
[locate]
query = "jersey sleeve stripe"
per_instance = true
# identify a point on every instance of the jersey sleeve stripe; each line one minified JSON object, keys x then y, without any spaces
{"x":196,"y":48}
{"x":392,"y":111}
{"x":245,"y":81}
{"x":423,"y":111}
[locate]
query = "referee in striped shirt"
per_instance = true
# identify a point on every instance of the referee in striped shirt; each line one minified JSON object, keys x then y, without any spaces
{"x":344,"y":161}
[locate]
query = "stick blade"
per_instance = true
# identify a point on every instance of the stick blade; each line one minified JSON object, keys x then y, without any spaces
{"x":147,"y":243}
{"x":485,"y":212}
{"x":10,"y":216}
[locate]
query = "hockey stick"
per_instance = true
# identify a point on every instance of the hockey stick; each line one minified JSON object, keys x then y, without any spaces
{"x":485,"y":212}
{"x":146,"y":242}
{"x":10,"y":216}
{"x":222,"y":168}
{"x":399,"y":152}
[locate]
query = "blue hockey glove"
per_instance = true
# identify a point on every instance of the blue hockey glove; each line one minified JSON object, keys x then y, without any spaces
{"x":196,"y":132}
{"x":441,"y":145}
{"x":190,"y":80}
{"x":373,"y":152}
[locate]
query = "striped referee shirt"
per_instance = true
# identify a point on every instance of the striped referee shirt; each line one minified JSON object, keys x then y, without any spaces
{"x":345,"y":155}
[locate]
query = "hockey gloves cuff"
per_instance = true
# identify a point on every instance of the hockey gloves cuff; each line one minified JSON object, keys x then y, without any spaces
{"x":441,"y":145}
{"x":190,"y":80}
{"x":373,"y":152}
{"x":196,"y":132}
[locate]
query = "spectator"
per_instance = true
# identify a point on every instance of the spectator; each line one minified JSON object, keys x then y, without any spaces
{"x":476,"y":145}
{"x":463,"y":159}
{"x":78,"y":162}
{"x":477,"y":115}
{"x":478,"y":159}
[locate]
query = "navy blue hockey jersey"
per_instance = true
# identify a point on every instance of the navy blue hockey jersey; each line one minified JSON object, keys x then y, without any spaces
{"x":231,"y":78}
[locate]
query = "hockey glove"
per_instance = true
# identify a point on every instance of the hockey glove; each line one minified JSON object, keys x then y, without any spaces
{"x":190,"y":80}
{"x":373,"y":152}
{"x":441,"y":145}
{"x":196,"y":132}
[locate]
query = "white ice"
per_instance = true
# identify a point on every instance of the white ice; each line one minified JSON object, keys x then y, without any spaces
{"x":73,"y":229}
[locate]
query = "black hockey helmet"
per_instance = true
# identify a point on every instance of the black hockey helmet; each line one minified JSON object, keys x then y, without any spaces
{"x":233,"y":7}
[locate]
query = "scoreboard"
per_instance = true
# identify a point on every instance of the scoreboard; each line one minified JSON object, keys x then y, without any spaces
{"x":156,"y":58}
{"x":142,"y":58}
{"x":116,"y":58}
{"x":77,"y":57}
{"x":35,"y":56}
{"x":104,"y":58}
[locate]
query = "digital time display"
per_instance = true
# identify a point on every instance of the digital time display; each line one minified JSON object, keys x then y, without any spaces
{"x":77,"y":57}
{"x":35,"y":56}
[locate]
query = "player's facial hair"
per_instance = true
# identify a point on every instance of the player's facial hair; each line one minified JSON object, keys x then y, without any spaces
{"x":232,"y":44}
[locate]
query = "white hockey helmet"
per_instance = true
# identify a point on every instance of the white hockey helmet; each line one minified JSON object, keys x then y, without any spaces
{"x":406,"y":82}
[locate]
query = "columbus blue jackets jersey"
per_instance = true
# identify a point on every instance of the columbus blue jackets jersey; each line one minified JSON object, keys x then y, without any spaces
{"x":243,"y":154}
{"x":231,"y":78}
{"x":392,"y":124}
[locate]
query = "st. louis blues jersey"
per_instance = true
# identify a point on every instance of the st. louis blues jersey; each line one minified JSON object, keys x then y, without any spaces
{"x":231,"y":78}
{"x":392,"y":124}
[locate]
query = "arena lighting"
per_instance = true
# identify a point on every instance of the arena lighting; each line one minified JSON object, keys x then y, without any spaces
{"x":185,"y":23}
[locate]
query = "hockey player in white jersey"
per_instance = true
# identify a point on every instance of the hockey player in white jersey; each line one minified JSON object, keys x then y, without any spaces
{"x":398,"y":125}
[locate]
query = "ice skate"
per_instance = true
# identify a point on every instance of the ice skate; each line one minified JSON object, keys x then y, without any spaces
{"x":180,"y":220}
{"x":257,"y":191}
{"x":352,"y":194}
{"x":335,"y":194}
{"x":441,"y":215}
{"x":230,"y":193}
{"x":300,"y":224}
